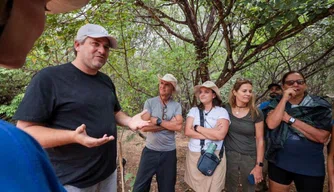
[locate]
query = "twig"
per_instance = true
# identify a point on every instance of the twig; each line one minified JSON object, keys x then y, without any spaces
{"x":141,"y":135}
{"x":120,"y":160}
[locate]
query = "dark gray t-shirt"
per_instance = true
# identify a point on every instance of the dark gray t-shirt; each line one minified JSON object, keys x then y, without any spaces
{"x":241,"y":134}
{"x":162,"y":140}
{"x":63,"y":97}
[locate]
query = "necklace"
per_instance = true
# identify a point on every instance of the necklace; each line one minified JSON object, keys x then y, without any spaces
{"x":206,"y":114}
{"x":241,"y":106}
{"x":237,"y":107}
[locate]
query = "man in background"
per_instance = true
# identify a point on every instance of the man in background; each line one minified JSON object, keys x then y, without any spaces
{"x":159,"y":155}
{"x":274,"y":91}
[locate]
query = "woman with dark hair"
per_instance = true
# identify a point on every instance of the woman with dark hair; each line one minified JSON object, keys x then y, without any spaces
{"x":244,"y":141}
{"x":299,"y":125}
{"x":216,"y":123}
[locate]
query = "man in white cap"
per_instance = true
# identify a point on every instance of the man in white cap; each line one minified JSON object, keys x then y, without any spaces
{"x":159,"y":155}
{"x":75,"y":112}
{"x":22,"y":22}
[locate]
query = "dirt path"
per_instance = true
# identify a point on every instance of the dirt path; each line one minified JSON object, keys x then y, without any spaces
{"x":132,"y":150}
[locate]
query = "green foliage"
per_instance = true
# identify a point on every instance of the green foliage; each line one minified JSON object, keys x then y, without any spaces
{"x":130,"y":137}
{"x":145,"y":49}
{"x":130,"y":177}
{"x":12,"y":85}
{"x":9,"y":110}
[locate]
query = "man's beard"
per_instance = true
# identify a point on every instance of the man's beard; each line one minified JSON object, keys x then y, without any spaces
{"x":273,"y":95}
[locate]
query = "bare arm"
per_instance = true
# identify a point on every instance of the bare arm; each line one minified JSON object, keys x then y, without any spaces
{"x":259,"y":134}
{"x":330,"y":163}
{"x":175,"y":124}
{"x":49,"y":137}
{"x":276,"y":116}
{"x":218,"y":132}
{"x":310,"y":132}
{"x":190,"y":132}
{"x":151,"y":127}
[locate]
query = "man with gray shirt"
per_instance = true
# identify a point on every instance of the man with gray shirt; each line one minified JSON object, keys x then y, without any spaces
{"x":159,"y":155}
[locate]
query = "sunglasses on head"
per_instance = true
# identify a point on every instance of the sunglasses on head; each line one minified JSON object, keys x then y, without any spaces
{"x":291,"y":82}
{"x":243,"y":79}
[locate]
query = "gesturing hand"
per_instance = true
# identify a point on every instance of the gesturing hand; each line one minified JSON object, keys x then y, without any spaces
{"x":137,"y":121}
{"x":80,"y":136}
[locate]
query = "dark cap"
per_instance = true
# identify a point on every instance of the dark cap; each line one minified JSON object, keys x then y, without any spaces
{"x":274,"y":84}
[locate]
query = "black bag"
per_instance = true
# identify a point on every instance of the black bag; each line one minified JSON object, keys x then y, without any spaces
{"x":208,"y":162}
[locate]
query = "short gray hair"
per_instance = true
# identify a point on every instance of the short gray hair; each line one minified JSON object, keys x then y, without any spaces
{"x":81,"y":41}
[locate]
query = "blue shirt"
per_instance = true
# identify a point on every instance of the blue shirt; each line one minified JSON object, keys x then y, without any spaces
{"x":301,"y":155}
{"x":264,"y":104}
{"x":24,"y":166}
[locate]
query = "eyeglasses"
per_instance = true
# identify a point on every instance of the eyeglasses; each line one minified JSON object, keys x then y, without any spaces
{"x":244,"y":80}
{"x":291,"y":82}
{"x":164,"y":112}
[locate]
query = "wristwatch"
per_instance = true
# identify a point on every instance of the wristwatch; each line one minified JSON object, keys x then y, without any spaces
{"x":159,"y":121}
{"x":291,"y":120}
{"x":195,"y":128}
{"x":260,"y":164}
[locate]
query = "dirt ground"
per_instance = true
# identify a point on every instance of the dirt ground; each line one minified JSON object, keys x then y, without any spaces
{"x":132,"y":146}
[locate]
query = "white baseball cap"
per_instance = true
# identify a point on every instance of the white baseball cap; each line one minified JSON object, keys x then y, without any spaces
{"x":95,"y":31}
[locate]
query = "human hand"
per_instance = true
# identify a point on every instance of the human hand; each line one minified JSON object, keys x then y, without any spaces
{"x":257,"y":172}
{"x":80,"y":136}
{"x":288,"y":93}
{"x":137,"y":122}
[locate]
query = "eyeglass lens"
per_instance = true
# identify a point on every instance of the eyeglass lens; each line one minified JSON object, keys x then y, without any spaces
{"x":291,"y":82}
{"x":164,"y":112}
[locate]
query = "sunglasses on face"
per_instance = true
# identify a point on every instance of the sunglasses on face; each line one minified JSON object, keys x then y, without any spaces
{"x":291,"y":82}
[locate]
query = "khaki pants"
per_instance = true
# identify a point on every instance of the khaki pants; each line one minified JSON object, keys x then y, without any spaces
{"x":199,"y":182}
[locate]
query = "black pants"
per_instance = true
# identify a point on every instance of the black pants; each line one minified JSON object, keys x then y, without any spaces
{"x":303,"y":183}
{"x":159,"y":163}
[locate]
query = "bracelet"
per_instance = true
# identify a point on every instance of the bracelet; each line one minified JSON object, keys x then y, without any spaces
{"x":195,"y":128}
